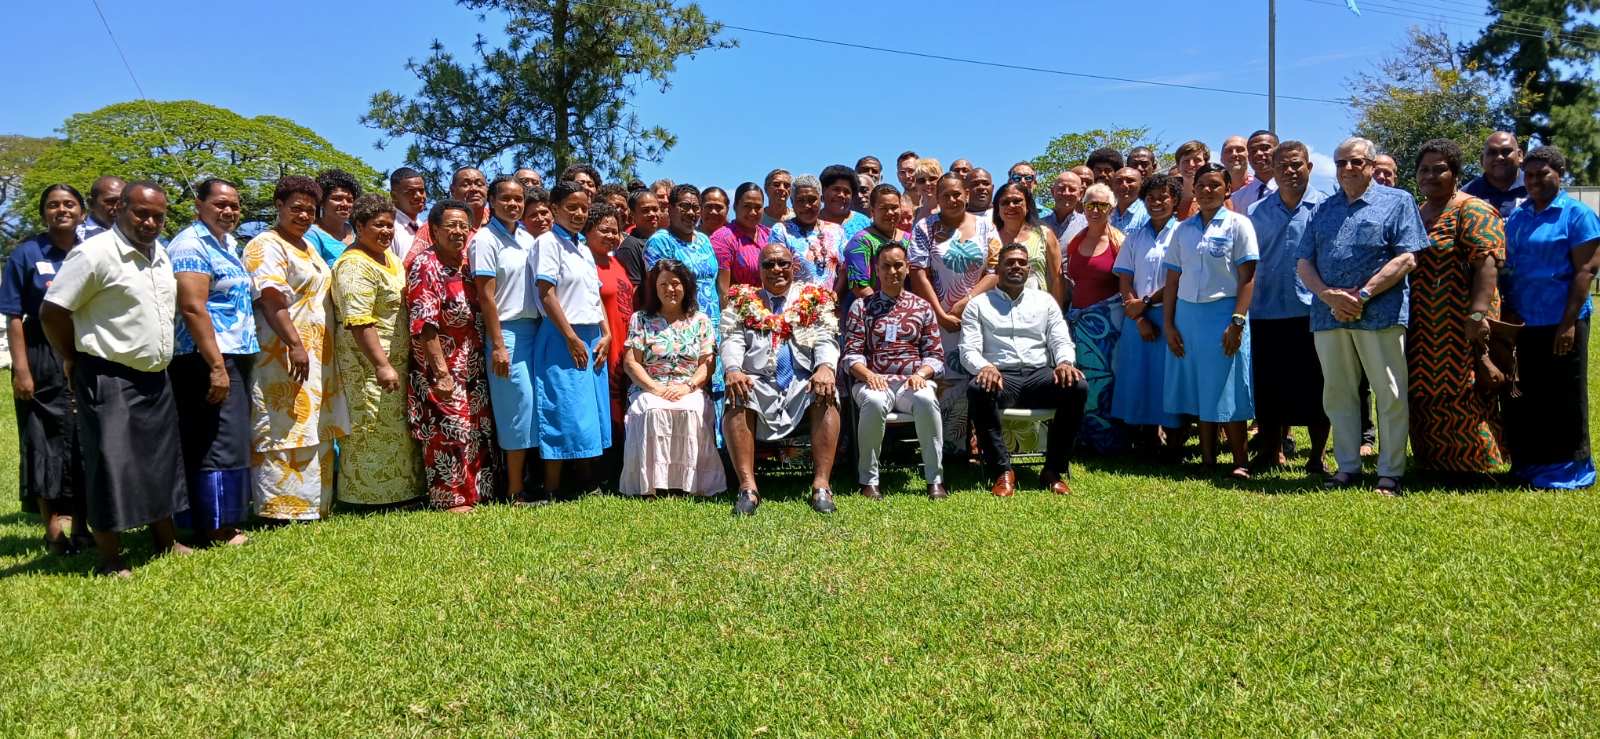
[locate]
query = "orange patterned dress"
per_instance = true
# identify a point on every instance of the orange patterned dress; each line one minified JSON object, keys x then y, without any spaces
{"x":1453,"y":427}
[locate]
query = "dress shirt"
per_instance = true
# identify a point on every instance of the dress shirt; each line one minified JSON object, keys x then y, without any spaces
{"x":1064,"y":231}
{"x":507,"y":256}
{"x":405,"y":232}
{"x":1347,"y":243}
{"x":30,"y":269}
{"x":893,"y":336}
{"x":1129,"y":219}
{"x":91,"y":227}
{"x":1279,"y":293}
{"x":123,"y":305}
{"x":1207,"y":254}
{"x":1143,"y":256}
{"x":1254,"y":191}
{"x":560,"y":259}
{"x":1026,"y":333}
{"x":1504,"y":201}
{"x":1539,"y":244}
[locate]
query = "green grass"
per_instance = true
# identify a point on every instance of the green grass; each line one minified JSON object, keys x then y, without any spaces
{"x":1151,"y":601}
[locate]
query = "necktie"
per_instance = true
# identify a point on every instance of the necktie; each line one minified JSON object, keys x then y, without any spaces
{"x":785,"y":372}
{"x":1261,"y":191}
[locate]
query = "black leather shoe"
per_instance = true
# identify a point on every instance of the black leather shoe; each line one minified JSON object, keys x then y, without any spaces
{"x":822,"y":500}
{"x":872,"y":492}
{"x":744,"y":504}
{"x":936,"y":491}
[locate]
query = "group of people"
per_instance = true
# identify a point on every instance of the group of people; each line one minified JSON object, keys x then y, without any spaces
{"x":371,"y":349}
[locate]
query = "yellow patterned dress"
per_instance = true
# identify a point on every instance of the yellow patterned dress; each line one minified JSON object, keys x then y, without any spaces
{"x":294,"y":424}
{"x":378,"y":460}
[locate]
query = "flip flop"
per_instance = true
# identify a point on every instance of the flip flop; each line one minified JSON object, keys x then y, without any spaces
{"x":1339,"y":480}
{"x":1389,"y":486}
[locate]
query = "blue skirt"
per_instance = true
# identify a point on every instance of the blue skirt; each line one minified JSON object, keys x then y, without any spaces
{"x":1205,"y":382}
{"x":511,"y":397}
{"x":1095,"y":331}
{"x":1140,"y":366}
{"x":573,"y":405}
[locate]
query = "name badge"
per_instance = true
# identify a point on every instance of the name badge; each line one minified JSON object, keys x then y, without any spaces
{"x":891,"y":332}
{"x":44,"y":268}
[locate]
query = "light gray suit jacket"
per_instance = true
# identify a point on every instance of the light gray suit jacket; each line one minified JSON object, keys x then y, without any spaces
{"x":751,"y":352}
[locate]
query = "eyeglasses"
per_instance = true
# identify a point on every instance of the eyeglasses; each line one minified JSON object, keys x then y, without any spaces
{"x":1357,"y":162}
{"x":1024,"y":177}
{"x":689,"y":207}
{"x":776,"y":264}
{"x":1097,"y":206}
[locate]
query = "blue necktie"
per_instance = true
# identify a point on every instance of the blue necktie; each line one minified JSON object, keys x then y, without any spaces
{"x":785,"y":373}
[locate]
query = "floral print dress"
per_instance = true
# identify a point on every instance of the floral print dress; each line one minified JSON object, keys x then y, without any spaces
{"x":456,"y":432}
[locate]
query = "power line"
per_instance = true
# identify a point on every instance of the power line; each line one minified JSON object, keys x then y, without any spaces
{"x":1530,"y":20}
{"x":1428,"y":16}
{"x":150,"y":107}
{"x":1508,"y":21}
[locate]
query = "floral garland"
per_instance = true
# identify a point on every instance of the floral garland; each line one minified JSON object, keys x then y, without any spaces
{"x":804,"y":320}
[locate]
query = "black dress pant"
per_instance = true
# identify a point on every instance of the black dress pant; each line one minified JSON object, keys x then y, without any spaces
{"x":1033,"y":389}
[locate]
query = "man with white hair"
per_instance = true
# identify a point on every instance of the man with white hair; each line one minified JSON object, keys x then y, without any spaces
{"x":1354,"y":257}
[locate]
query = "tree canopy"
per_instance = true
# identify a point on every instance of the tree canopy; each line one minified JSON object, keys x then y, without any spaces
{"x":558,"y":92}
{"x":1426,"y":90}
{"x":1072,"y":149}
{"x":180,"y":143}
{"x":1546,"y":52}
{"x":17,"y":156}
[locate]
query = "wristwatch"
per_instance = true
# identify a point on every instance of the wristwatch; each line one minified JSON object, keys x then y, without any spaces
{"x":1239,"y":320}
{"x":1365,"y":295}
{"x":1477,"y":316}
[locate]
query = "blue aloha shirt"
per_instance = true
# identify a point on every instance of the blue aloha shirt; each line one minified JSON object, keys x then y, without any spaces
{"x":1347,"y":243}
{"x":233,"y":319}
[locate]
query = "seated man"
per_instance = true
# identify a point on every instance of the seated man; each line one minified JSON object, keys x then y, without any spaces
{"x":892,"y":346}
{"x":779,"y":347}
{"x":1016,"y":345}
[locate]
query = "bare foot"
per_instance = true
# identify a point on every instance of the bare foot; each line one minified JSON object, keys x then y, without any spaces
{"x":115,"y":568}
{"x":459,"y":510}
{"x":238,"y":539}
{"x":179,"y":550}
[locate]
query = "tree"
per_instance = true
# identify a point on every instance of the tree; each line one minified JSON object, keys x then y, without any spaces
{"x":1072,"y":149}
{"x":1547,"y":54}
{"x":557,"y":93}
{"x":1426,"y":90}
{"x":180,"y":143}
{"x":17,"y":155}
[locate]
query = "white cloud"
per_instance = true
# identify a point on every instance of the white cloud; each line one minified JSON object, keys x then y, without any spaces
{"x":1322,"y":178}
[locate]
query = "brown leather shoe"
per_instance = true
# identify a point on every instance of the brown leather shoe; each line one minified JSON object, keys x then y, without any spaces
{"x":1055,"y":484}
{"x":871,"y":492}
{"x":936,"y":491}
{"x":1005,"y":485}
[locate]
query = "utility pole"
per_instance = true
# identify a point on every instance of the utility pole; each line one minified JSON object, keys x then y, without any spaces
{"x":1272,"y":66}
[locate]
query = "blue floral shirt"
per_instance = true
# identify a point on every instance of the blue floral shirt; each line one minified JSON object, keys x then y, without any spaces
{"x":1347,"y":243}
{"x":1539,"y":246}
{"x":233,"y":319}
{"x":1279,"y":293}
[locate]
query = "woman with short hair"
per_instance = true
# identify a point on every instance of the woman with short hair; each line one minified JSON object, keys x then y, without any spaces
{"x":536,"y":217}
{"x":669,"y":425}
{"x":925,"y":183}
{"x":296,"y":398}
{"x":817,"y":245}
{"x":378,"y":462}
{"x":51,"y":472}
{"x":713,"y":209}
{"x":1094,"y":313}
{"x":602,"y":233}
{"x":332,"y":233}
{"x":448,"y":407}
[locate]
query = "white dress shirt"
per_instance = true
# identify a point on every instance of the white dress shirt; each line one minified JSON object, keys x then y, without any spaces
{"x":1026,"y":333}
{"x":124,"y":306}
{"x":405,"y":232}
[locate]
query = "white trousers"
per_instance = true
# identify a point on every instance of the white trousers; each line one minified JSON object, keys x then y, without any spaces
{"x":873,"y":406}
{"x":1345,"y":354}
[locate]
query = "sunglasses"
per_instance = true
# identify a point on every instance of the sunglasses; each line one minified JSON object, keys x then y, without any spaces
{"x":1100,"y":207}
{"x":776,"y":264}
{"x":1503,"y":153}
{"x":1357,"y":162}
{"x":1024,"y":178}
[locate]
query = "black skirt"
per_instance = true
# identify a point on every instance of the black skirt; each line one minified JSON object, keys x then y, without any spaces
{"x":215,"y":437}
{"x":133,"y":459}
{"x":1549,"y":422}
{"x":51,"y":462}
{"x":1285,"y":372}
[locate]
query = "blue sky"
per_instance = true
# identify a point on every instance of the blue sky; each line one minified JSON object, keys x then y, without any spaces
{"x":770,"y":102}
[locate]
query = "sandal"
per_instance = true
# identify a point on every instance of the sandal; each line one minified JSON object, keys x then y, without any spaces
{"x":60,"y":546}
{"x":1240,"y":473}
{"x":1389,"y":486}
{"x":1339,"y":480}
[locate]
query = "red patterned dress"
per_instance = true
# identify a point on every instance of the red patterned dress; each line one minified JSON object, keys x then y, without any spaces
{"x":456,"y":433}
{"x":1453,"y":426}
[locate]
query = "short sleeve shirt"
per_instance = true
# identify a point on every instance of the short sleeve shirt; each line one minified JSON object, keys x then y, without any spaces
{"x":1207,"y":255}
{"x":507,"y":256}
{"x":1129,"y":219}
{"x":853,"y":225}
{"x":1347,"y":243}
{"x":1143,"y":254}
{"x":123,"y":304}
{"x":1539,"y":246}
{"x":562,"y":260}
{"x":1279,"y":293}
{"x":30,"y":269}
{"x":739,"y":253}
{"x":1504,"y":201}
{"x":228,"y":301}
{"x":328,"y":246}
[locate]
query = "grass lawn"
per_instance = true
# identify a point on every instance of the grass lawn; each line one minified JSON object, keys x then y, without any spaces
{"x":1150,"y":602}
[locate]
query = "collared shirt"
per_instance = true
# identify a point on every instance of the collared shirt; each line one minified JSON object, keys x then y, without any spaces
{"x":560,"y":259}
{"x":91,"y":227}
{"x":1130,"y":219}
{"x":1279,"y":293}
{"x":861,"y":256}
{"x":1504,"y":201}
{"x":228,"y":301}
{"x":1254,"y":191}
{"x":894,"y":337}
{"x":405,"y":232}
{"x":123,"y":304}
{"x":30,"y":269}
{"x":1026,"y":333}
{"x":1347,"y":243}
{"x":507,"y":256}
{"x":1144,"y":255}
{"x":1064,"y":231}
{"x":1539,"y":244}
{"x":1207,"y":254}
